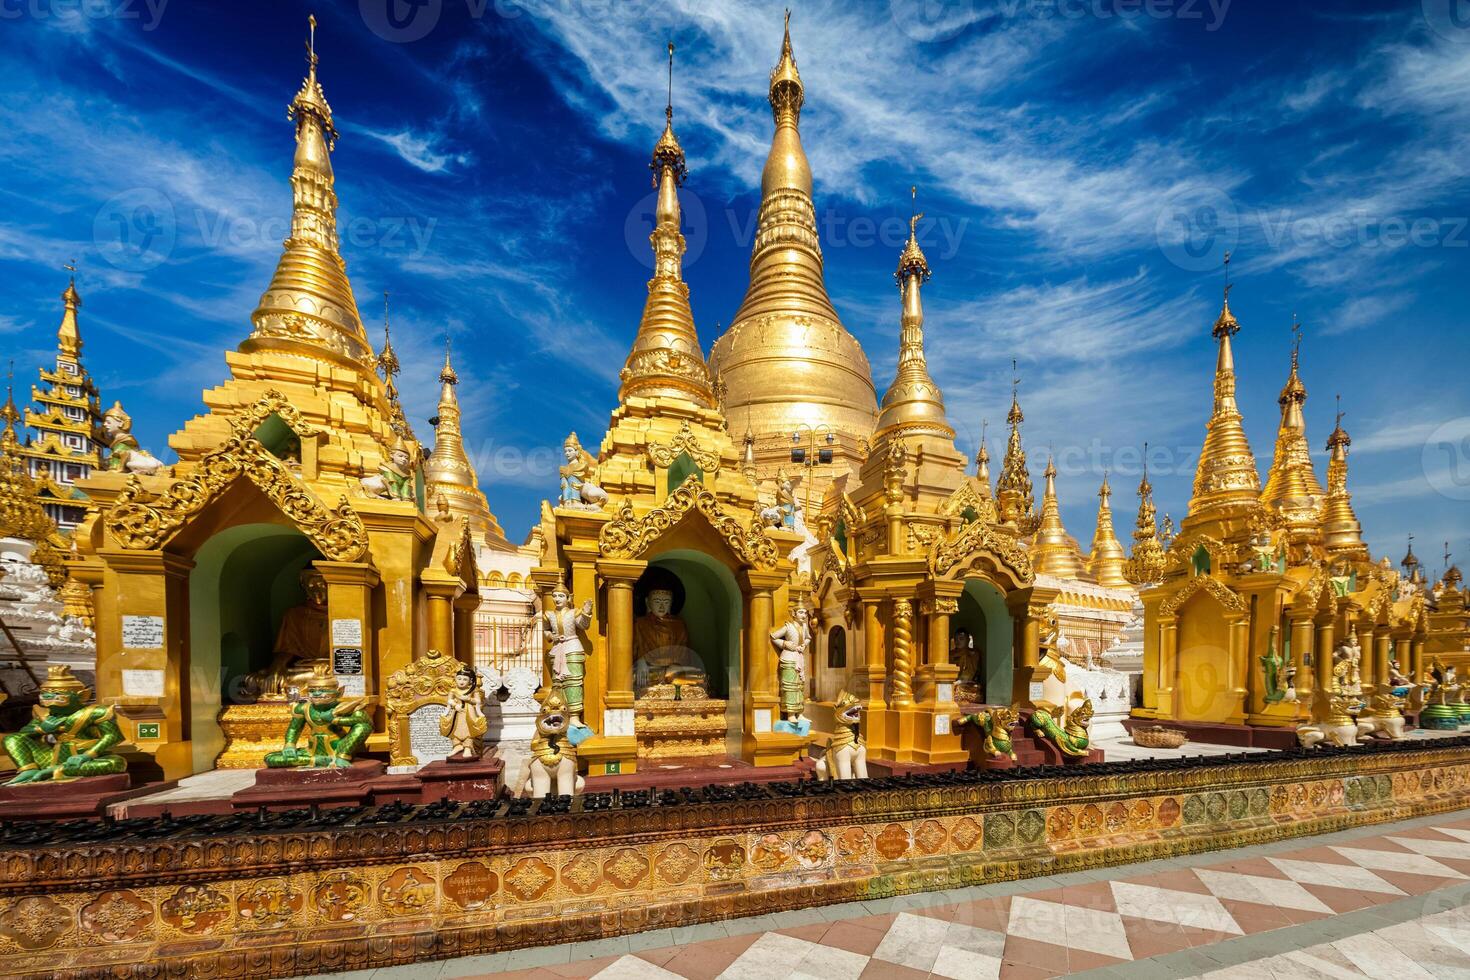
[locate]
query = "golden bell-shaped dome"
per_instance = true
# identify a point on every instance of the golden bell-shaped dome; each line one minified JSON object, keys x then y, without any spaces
{"x":786,"y":357}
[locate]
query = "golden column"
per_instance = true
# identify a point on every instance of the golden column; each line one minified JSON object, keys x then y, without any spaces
{"x":1382,"y":685}
{"x":1322,"y":659}
{"x":464,"y":627}
{"x":903,"y":655}
{"x":764,"y":746}
{"x":620,"y":577}
{"x":350,"y":587}
{"x":1301,"y":647}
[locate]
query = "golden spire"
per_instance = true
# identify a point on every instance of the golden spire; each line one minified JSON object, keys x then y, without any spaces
{"x":9,"y":414}
{"x":68,"y":337}
{"x":1107,"y":559}
{"x":1226,"y":474}
{"x":1013,"y":489}
{"x":21,"y":514}
{"x":1291,"y":487}
{"x":308,"y":308}
{"x":387,"y":362}
{"x":982,"y":459}
{"x":667,"y":359}
{"x":1146,"y":565}
{"x":913,"y":404}
{"x":1054,"y":552}
{"x":747,"y":455}
{"x":786,"y":355}
{"x":448,"y":471}
{"x":1342,"y":534}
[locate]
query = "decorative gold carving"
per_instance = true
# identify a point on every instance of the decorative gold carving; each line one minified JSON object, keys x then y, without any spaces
{"x":628,"y":536}
{"x":196,"y":910}
{"x":1217,"y":590}
{"x":664,"y":454}
{"x":676,"y":863}
{"x":409,"y":891}
{"x":428,"y":680}
{"x":269,"y":903}
{"x":471,"y":886}
{"x":581,"y":874}
{"x":529,"y":878}
{"x":626,"y":868}
{"x":116,"y":917}
{"x":140,"y":521}
{"x":966,"y":498}
{"x":901,"y":689}
{"x":978,"y":539}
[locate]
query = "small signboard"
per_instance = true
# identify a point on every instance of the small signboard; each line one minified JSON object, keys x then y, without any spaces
{"x":147,"y":730}
{"x":347,"y":660}
{"x":142,"y":632}
{"x":346,"y":632}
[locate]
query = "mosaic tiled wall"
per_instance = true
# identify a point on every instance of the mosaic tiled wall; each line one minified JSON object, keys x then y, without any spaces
{"x":311,"y":901}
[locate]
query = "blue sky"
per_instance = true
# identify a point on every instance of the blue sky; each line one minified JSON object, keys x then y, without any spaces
{"x":1083,"y":164}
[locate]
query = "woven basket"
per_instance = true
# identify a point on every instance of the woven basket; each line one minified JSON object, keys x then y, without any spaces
{"x":1159,"y":737}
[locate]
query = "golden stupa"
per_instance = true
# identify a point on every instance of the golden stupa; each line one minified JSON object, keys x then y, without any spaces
{"x":786,"y":357}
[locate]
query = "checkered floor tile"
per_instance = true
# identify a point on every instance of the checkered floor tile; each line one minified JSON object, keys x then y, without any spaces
{"x":1046,"y":932}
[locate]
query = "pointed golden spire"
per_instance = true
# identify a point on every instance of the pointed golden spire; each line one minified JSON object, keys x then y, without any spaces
{"x":747,"y":455}
{"x":448,"y":471}
{"x":308,"y":308}
{"x":786,"y":354}
{"x":9,"y":414}
{"x":913,"y":404}
{"x":1013,"y":489}
{"x":1226,"y":475}
{"x":667,"y":359}
{"x":1342,"y":534}
{"x":982,"y":459}
{"x":1292,"y":490}
{"x":1107,"y":560}
{"x":387,"y":362}
{"x":68,"y":337}
{"x":1054,"y":552}
{"x":1146,"y":564}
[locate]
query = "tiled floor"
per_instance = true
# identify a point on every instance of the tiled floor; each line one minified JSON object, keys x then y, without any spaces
{"x":1387,"y":902}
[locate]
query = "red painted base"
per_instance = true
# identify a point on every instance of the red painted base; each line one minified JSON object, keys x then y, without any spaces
{"x":448,"y":779}
{"x":285,"y":789}
{"x":74,"y":799}
{"x":878,"y":768}
{"x":1213,"y":733}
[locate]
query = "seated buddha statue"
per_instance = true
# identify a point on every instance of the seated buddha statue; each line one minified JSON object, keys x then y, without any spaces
{"x":663,"y":662}
{"x":301,"y":644}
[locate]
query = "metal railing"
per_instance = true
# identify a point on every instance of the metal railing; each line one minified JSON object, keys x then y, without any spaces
{"x":503,"y":642}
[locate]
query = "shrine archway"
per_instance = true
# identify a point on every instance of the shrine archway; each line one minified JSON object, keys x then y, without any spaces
{"x":983,"y":614}
{"x":244,"y":580}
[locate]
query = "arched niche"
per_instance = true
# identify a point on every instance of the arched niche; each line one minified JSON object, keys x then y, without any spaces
{"x":244,"y":580}
{"x":983,"y":614}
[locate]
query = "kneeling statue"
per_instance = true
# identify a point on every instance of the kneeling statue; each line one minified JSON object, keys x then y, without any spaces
{"x":68,"y":738}
{"x":553,"y":756}
{"x":335,"y":729}
{"x":995,"y":724}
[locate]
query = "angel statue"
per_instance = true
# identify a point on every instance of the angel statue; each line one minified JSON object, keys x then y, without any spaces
{"x":123,"y":451}
{"x":577,"y":488}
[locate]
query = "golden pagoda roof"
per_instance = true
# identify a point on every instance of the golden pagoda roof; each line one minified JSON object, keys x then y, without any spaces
{"x":1146,"y":564}
{"x":1107,"y":558}
{"x":448,"y":472}
{"x":786,"y":356}
{"x":1226,"y":475}
{"x":1292,"y":489}
{"x":982,"y":462}
{"x":667,"y":359}
{"x":9,"y":415}
{"x":1054,"y":551}
{"x":913,"y":403}
{"x":308,"y":308}
{"x":1342,"y":534}
{"x":21,"y":515}
{"x":68,"y":336}
{"x":1013,"y":490}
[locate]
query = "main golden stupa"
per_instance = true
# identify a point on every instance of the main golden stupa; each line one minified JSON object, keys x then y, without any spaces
{"x":786,"y":358}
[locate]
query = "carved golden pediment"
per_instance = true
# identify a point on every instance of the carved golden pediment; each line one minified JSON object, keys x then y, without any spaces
{"x":247,"y":420}
{"x":967,"y":498}
{"x":1216,"y":589}
{"x":663,"y":454}
{"x":141,"y":520}
{"x":978,"y":539}
{"x":629,"y":536}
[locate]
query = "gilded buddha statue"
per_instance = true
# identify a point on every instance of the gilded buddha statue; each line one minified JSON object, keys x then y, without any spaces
{"x":301,"y":644}
{"x":664,"y":665}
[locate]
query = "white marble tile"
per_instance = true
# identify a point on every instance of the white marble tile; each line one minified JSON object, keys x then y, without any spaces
{"x":963,"y":964}
{"x":1415,"y":864}
{"x":962,"y":936}
{"x":1168,"y":905}
{"x":1454,"y":936}
{"x":1321,"y":962}
{"x":632,"y":968}
{"x":1454,"y":832}
{"x":912,"y":941}
{"x":1377,"y":957}
{"x":1435,"y":848}
{"x":1069,"y":925}
{"x":1260,"y":890}
{"x":829,"y":963}
{"x":771,"y":957}
{"x":1334,"y":875}
{"x":1443,"y":955}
